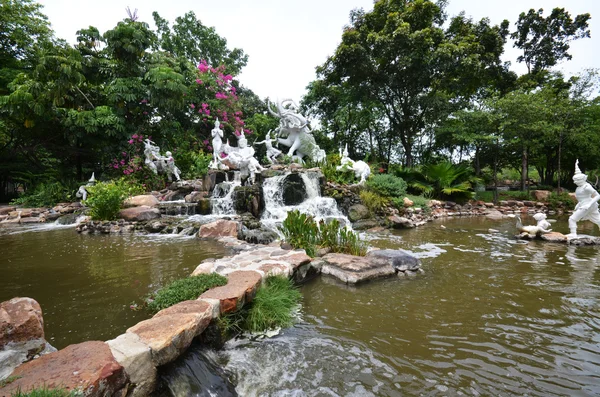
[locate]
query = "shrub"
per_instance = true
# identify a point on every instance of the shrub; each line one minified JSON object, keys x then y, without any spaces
{"x":45,"y":195}
{"x":560,"y":200}
{"x":302,"y":231}
{"x":105,"y":198}
{"x":188,"y":288}
{"x":374,"y":201}
{"x":418,"y":201}
{"x":193,"y":164}
{"x":387,"y":185}
{"x":273,"y":305}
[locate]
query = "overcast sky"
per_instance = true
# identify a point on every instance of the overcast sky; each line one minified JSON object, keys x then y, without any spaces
{"x":287,"y":39}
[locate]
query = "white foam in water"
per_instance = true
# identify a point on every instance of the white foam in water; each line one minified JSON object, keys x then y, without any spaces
{"x":222,"y":201}
{"x":319,"y":207}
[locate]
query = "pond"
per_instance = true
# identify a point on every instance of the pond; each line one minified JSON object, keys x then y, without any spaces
{"x":86,"y":284}
{"x":491,"y":316}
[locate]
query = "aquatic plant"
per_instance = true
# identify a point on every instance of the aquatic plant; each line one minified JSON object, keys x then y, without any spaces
{"x":188,"y":288}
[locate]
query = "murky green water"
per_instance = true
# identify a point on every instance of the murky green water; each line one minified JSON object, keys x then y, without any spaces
{"x":86,"y":284}
{"x":492,"y":316}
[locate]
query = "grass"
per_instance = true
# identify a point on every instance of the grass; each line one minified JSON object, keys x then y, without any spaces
{"x":488,"y":196}
{"x":44,"y":392}
{"x":8,"y":380}
{"x":185,"y":289}
{"x":272,"y":307}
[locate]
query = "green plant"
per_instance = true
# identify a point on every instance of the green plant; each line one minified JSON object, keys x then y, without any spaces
{"x":105,"y":198}
{"x":387,"y":185}
{"x":442,"y":180}
{"x":350,"y":243}
{"x":8,"y":380}
{"x":301,"y":231}
{"x":374,"y":201}
{"x":560,"y":200}
{"x":44,"y":392}
{"x":273,"y":305}
{"x":195,"y":164}
{"x":45,"y":194}
{"x":185,"y":289}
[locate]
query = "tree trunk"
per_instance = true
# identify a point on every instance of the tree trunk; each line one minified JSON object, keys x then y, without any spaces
{"x":477,"y":162}
{"x":524,"y":167}
{"x":559,"y":154}
{"x":496,"y":174}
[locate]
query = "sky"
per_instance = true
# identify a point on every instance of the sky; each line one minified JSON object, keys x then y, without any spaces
{"x":287,"y":39}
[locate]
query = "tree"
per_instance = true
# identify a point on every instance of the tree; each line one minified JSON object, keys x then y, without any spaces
{"x":399,"y":58}
{"x":546,"y":41}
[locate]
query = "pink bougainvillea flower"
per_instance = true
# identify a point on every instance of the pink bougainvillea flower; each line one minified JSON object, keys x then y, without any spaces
{"x":134,"y":136}
{"x":130,"y":141}
{"x":192,"y":106}
{"x":205,"y":141}
{"x":199,"y":81}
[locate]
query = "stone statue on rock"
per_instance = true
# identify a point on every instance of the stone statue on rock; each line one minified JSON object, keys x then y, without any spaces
{"x":272,"y":153}
{"x":242,"y":158}
{"x":217,"y":145}
{"x":543,"y":226}
{"x":360,"y":168}
{"x":587,"y":202}
{"x":82,"y":193}
{"x":158,"y":163}
{"x":293,"y":132}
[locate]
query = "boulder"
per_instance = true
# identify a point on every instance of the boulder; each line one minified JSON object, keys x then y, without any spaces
{"x":20,"y":321}
{"x":241,"y":288}
{"x":541,"y":195}
{"x":358,"y":212}
{"x":7,"y":210}
{"x":195,"y":197}
{"x":249,"y":199}
{"x":136,"y":357}
{"x":554,"y":237}
{"x":352,"y":269}
{"x":259,"y":236}
{"x":294,"y":191}
{"x":203,"y":207}
{"x":155,"y":226}
{"x":142,"y":213}
{"x":145,"y":199}
{"x":408,"y":202}
{"x":494,"y":214}
{"x":400,"y":260}
{"x":400,"y":222}
{"x":89,"y":367}
{"x":219,"y":228}
{"x":364,"y":224}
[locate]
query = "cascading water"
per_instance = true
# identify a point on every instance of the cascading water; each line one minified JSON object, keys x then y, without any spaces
{"x":222,"y":201}
{"x":314,"y":204}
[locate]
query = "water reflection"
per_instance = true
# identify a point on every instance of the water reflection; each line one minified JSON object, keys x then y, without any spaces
{"x":85,"y":284}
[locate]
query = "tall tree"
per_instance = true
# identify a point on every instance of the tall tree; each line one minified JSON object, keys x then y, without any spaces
{"x":545,"y":41}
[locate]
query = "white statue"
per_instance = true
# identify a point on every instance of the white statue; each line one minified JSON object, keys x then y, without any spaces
{"x":296,"y":134}
{"x":152,"y":155}
{"x":170,"y":166}
{"x":82,"y":193}
{"x":587,"y":202}
{"x":242,"y":158}
{"x":217,"y":143}
{"x":543,"y":226}
{"x":272,"y":152}
{"x":360,"y":168}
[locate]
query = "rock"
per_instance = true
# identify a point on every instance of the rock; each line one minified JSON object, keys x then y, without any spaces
{"x":584,"y":240}
{"x":293,"y":190}
{"x":142,"y":213}
{"x":67,"y":219}
{"x":136,"y":358}
{"x":494,"y":214}
{"x":7,"y":210}
{"x":241,"y":288}
{"x":259,"y":236}
{"x":398,"y":259}
{"x":286,"y":246}
{"x":20,"y":321}
{"x":219,"y":228}
{"x":541,"y":195}
{"x":195,"y":197}
{"x":400,"y":222}
{"x":297,"y":259}
{"x":212,"y":178}
{"x":88,"y":366}
{"x":155,"y":226}
{"x":554,"y":237}
{"x":364,"y":224}
{"x":249,"y":199}
{"x":145,"y":199}
{"x":204,"y":207}
{"x":323,"y":251}
{"x":30,"y":220}
{"x":353,"y":269}
{"x":408,"y":202}
{"x":358,"y":212}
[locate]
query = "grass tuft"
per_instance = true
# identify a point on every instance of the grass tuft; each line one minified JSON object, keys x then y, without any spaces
{"x":44,"y":392}
{"x":185,"y":289}
{"x":273,"y":305}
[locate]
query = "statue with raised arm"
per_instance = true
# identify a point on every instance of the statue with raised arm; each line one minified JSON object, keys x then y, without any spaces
{"x":272,"y":152}
{"x":217,"y":143}
{"x":170,"y":167}
{"x":360,"y":168}
{"x":151,"y":155}
{"x":587,"y":202}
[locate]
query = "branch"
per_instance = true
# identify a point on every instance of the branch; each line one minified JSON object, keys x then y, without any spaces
{"x":86,"y":98}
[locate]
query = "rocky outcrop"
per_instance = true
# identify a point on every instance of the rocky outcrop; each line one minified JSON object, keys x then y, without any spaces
{"x":240,"y":289}
{"x":219,"y":228}
{"x":88,"y":367}
{"x":21,"y":333}
{"x":357,"y":212}
{"x":137,"y":201}
{"x":249,"y":199}
{"x":142,"y":213}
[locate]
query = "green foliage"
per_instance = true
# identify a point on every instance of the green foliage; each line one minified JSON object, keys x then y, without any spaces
{"x":8,"y":380}
{"x":193,"y":165}
{"x":418,"y":202}
{"x":45,"y":195}
{"x":45,"y":392}
{"x":488,"y":196}
{"x":302,"y":231}
{"x":273,"y":305}
{"x":560,"y":200}
{"x":387,"y":185}
{"x":188,"y":288}
{"x":331,"y":173}
{"x":105,"y":198}
{"x":375,"y":202}
{"x":443,"y":180}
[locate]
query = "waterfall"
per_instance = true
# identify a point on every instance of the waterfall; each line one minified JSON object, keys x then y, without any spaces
{"x":222,"y":201}
{"x":314,"y":204}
